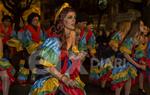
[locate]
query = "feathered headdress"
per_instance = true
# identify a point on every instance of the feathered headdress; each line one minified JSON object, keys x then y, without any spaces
{"x":65,"y":5}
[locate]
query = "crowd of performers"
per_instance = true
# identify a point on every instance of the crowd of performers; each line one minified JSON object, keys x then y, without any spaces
{"x":51,"y":58}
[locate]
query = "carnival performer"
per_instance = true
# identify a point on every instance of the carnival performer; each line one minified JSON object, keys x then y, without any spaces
{"x":124,"y":66}
{"x":7,"y":32}
{"x":140,"y":55}
{"x":103,"y":70}
{"x":6,"y":72}
{"x":87,"y":39}
{"x":148,"y":56}
{"x":31,"y":36}
{"x":87,"y":42}
{"x":60,"y":51}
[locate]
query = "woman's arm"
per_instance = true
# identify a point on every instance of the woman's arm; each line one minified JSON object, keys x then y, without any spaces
{"x":133,"y":62}
{"x":62,"y":77}
{"x":55,"y":72}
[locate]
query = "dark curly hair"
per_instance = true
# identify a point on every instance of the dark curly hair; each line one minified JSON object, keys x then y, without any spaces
{"x":31,"y":16}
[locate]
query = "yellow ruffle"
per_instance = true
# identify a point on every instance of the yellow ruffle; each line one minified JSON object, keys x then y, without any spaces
{"x":15,"y":43}
{"x":133,"y":72}
{"x":95,"y":69}
{"x":22,"y":61}
{"x":46,"y":63}
{"x":49,"y":85}
{"x":141,"y":47}
{"x":5,"y":64}
{"x":125,"y":50}
{"x":75,"y":49}
{"x":1,"y":54}
{"x":109,"y":64}
{"x":113,"y":43}
{"x":81,"y":84}
{"x":32,"y":47}
{"x":93,"y":51}
{"x":24,"y":71}
{"x":119,"y":75}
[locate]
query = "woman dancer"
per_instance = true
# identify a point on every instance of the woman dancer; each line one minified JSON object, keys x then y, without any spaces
{"x":60,"y":51}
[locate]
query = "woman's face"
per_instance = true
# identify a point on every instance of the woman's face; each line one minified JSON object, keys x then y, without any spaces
{"x":144,"y":29}
{"x":7,"y":23}
{"x":70,"y":20}
{"x":35,"y":21}
{"x":142,"y":26}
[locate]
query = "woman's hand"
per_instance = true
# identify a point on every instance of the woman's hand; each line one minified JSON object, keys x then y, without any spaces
{"x":69,"y":82}
{"x":143,"y":67}
{"x":82,"y":55}
{"x":66,"y":80}
{"x":72,"y":83}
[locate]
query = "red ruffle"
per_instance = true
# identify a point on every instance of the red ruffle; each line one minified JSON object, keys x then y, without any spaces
{"x":51,"y":94}
{"x":72,"y":91}
{"x":35,"y":33}
{"x":89,"y":33}
{"x":106,"y":76}
{"x":11,"y":77}
{"x":148,"y":62}
{"x":7,"y":34}
{"x":118,"y":85}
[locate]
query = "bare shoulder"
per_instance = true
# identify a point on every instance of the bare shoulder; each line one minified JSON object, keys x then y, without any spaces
{"x":73,"y":33}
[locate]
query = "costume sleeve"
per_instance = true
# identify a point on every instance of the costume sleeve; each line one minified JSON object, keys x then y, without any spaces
{"x":27,"y":39}
{"x":20,"y":35}
{"x":114,"y":42}
{"x":127,"y":46}
{"x":49,"y":52}
{"x":92,"y":41}
{"x":148,"y":49}
{"x":42,"y":35}
{"x":14,"y":34}
{"x":140,"y":51}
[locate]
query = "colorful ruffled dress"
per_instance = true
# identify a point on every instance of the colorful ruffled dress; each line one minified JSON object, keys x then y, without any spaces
{"x":23,"y":72}
{"x":148,"y":59}
{"x":87,"y":38}
{"x":6,"y":65}
{"x":10,"y":42}
{"x":49,"y":52}
{"x":140,"y":53}
{"x":51,"y":55}
{"x":101,"y":69}
{"x":70,"y":66}
{"x":10,"y":33}
{"x":104,"y":66}
{"x":122,"y":69}
{"x":32,"y":38}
